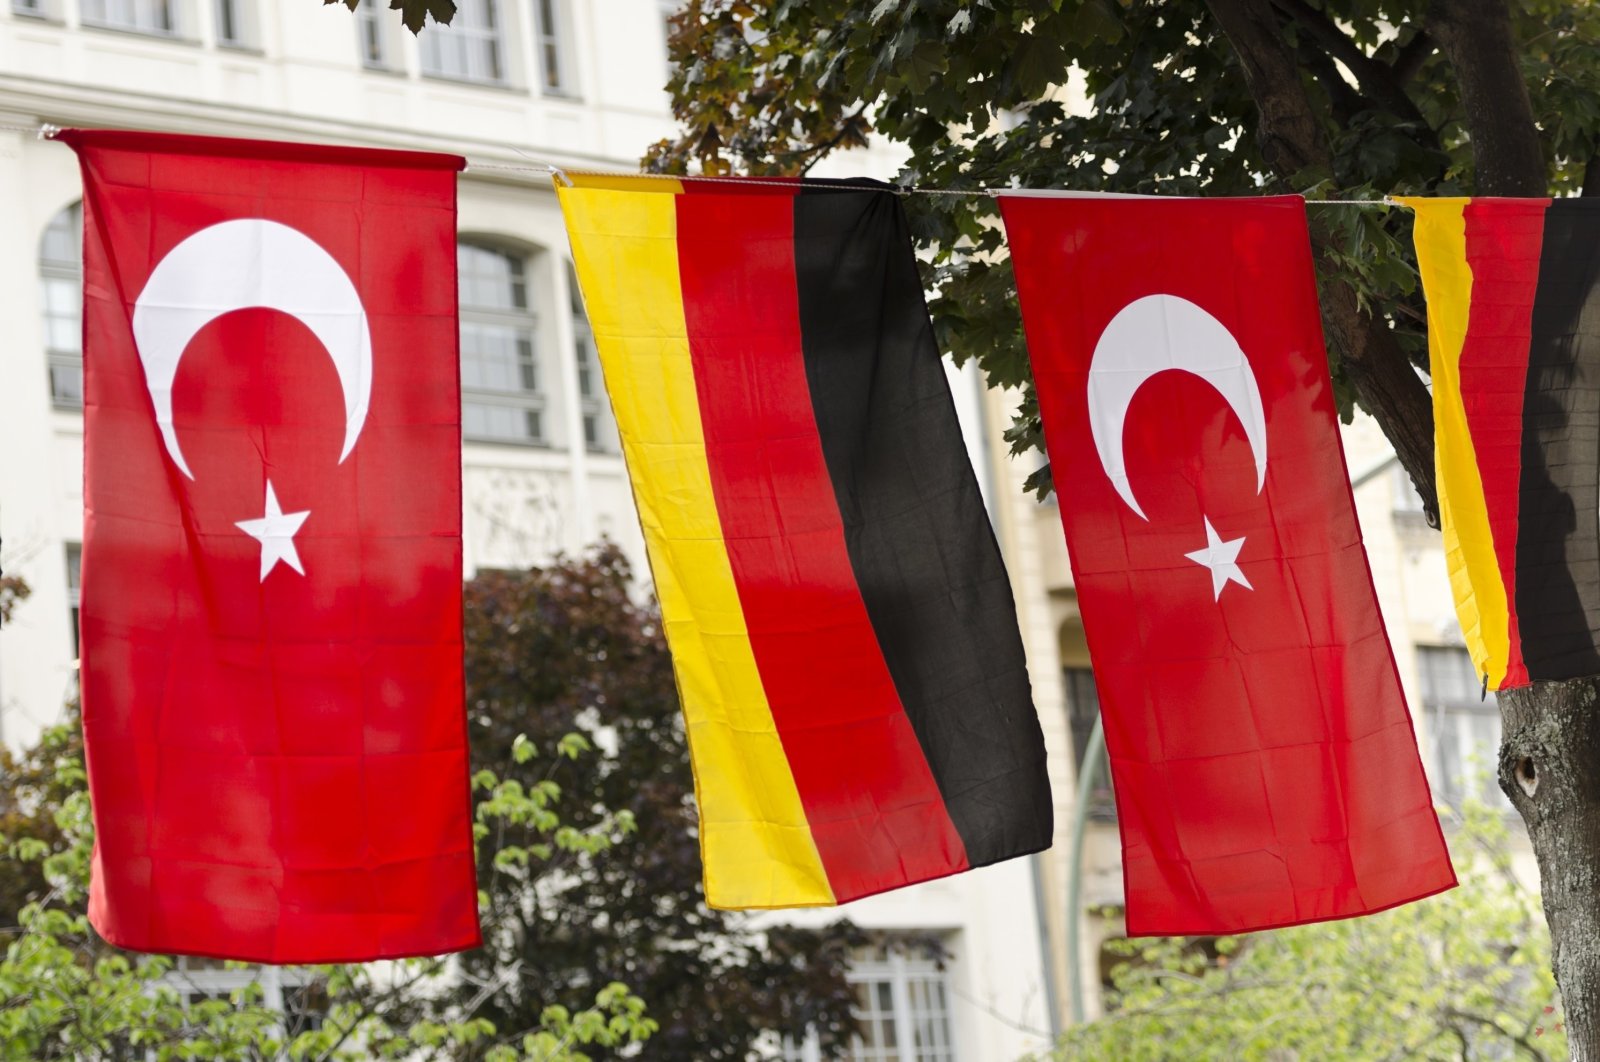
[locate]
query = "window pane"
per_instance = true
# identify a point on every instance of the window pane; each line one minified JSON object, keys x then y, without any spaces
{"x":500,"y":370}
{"x":468,"y":48}
{"x":66,"y":385}
{"x":62,"y":244}
{"x":228,"y":27}
{"x":552,"y":47}
{"x":60,"y":304}
{"x":1083,"y":710}
{"x":143,"y":16}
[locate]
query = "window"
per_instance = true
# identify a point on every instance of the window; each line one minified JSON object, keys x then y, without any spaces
{"x":373,"y":37}
{"x":61,"y":291}
{"x":550,"y":42}
{"x":140,"y":16}
{"x":470,"y":48}
{"x":901,"y":1008}
{"x":231,"y":26}
{"x":501,"y":394}
{"x":1406,"y":498}
{"x":1465,"y":724}
{"x":74,"y":592}
{"x":34,"y":8}
{"x":597,"y":433}
{"x":1083,"y":709}
{"x":296,"y":993}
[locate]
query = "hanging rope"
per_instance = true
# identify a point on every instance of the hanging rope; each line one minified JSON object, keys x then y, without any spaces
{"x":47,"y":131}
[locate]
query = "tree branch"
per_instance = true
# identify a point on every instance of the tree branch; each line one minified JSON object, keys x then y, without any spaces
{"x":1476,"y":36}
{"x":1377,"y":80}
{"x":1412,"y":55}
{"x":1292,"y":141}
{"x":1342,"y":96}
{"x":1489,"y":1023}
{"x":1291,"y":137}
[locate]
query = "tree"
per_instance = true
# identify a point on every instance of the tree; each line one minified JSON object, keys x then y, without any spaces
{"x":1351,"y":99}
{"x":1460,"y":975}
{"x":589,"y":879}
{"x":64,"y":993}
{"x":566,"y":650}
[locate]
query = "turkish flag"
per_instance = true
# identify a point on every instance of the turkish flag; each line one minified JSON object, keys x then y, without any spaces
{"x":271,"y":616}
{"x":1263,"y":758}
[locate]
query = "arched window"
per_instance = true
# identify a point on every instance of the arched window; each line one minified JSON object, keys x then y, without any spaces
{"x":598,"y":434}
{"x":61,"y":290}
{"x":501,"y":392}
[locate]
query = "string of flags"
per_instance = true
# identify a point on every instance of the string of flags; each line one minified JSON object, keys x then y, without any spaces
{"x":272,"y":563}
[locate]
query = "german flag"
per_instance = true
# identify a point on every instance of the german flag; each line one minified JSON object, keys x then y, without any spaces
{"x":1513,"y":290}
{"x":841,"y":625}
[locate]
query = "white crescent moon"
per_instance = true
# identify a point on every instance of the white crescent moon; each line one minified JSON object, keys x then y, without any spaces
{"x":244,"y":264}
{"x":1151,"y":335}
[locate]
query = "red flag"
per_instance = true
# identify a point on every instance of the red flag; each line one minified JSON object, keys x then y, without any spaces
{"x":272,"y":688}
{"x":1264,"y":763}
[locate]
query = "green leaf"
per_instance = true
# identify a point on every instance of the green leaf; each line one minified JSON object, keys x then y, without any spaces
{"x":523,"y":750}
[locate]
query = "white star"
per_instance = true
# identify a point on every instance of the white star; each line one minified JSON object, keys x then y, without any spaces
{"x":1223,"y":560}
{"x":275,"y":531}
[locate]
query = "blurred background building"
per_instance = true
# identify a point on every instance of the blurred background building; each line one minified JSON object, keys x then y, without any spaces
{"x":511,"y":85}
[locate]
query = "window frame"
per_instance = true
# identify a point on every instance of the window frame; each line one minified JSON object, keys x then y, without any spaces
{"x":241,"y":13}
{"x":373,"y":29}
{"x":66,"y":272}
{"x":596,"y":427}
{"x":1464,"y":723}
{"x":899,"y":966}
{"x":497,"y":32}
{"x":524,"y":321}
{"x":1082,"y":695}
{"x":74,"y":559}
{"x":135,"y":24}
{"x":554,"y":40}
{"x":44,"y":10}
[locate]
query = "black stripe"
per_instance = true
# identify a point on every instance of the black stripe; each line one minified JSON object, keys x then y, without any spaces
{"x":1558,"y":524}
{"x":918,"y":535}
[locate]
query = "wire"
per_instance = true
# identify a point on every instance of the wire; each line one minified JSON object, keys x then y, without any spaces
{"x":47,"y":131}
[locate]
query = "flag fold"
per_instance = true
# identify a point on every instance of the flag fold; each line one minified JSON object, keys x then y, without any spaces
{"x":1265,"y":768}
{"x":271,"y":579}
{"x":1513,"y":290}
{"x":842,"y":628}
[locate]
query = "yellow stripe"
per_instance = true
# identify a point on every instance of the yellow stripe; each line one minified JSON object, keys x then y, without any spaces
{"x":754,"y":838}
{"x":1480,"y":593}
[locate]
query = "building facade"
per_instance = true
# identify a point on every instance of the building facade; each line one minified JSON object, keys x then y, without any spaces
{"x":512,"y":85}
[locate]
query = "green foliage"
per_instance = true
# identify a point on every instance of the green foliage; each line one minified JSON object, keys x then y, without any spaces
{"x":69,"y":995}
{"x":1118,"y":96}
{"x":1464,"y":974}
{"x":562,"y":660}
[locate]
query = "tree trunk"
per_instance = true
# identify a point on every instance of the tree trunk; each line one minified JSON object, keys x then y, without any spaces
{"x":1550,"y":768}
{"x":1550,"y":754}
{"x":1476,"y":36}
{"x":1388,"y":387}
{"x":1292,"y":140}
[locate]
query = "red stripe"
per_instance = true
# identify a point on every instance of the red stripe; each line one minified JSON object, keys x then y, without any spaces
{"x":774,"y":185}
{"x":869,"y":795}
{"x":1504,"y":239}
